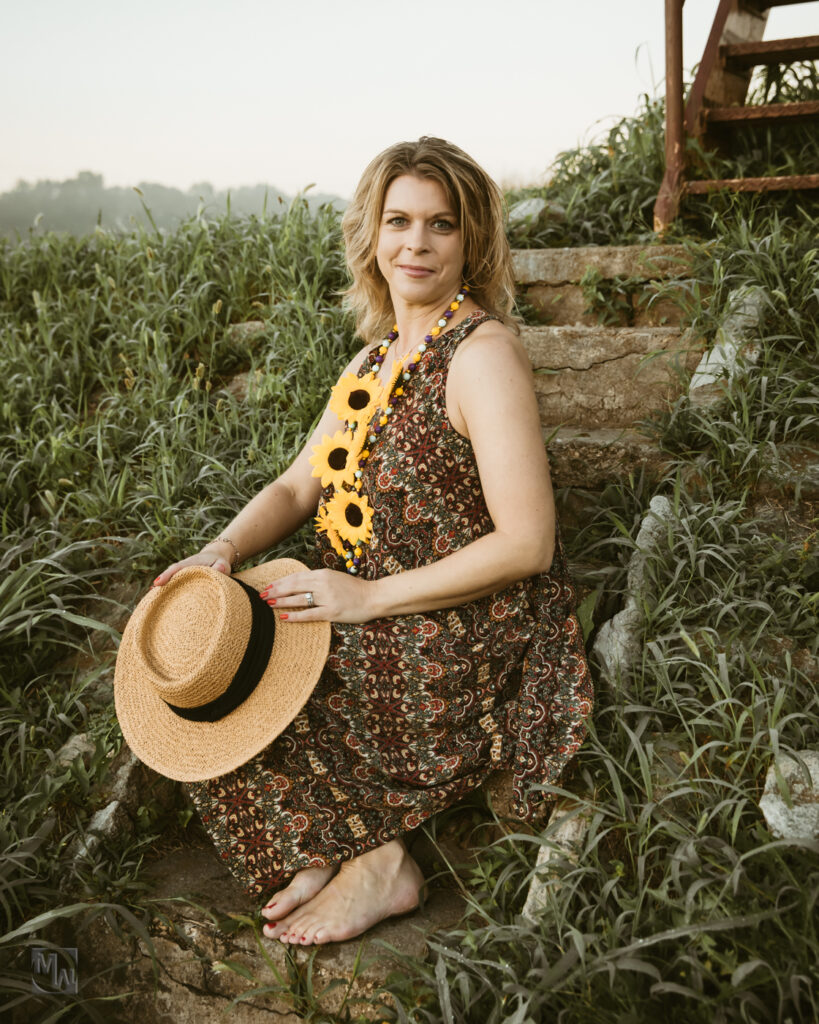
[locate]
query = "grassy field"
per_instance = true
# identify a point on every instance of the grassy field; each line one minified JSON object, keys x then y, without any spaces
{"x":121,"y":450}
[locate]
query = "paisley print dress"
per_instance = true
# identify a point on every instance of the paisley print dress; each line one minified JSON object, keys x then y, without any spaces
{"x":413,"y":711}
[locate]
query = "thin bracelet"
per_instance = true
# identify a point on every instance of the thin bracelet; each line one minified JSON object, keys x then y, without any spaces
{"x":227,"y":540}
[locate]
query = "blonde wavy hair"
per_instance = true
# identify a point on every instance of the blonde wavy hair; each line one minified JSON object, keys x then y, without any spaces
{"x":480,"y":211}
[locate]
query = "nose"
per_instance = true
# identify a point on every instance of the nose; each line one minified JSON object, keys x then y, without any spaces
{"x":416,"y":238}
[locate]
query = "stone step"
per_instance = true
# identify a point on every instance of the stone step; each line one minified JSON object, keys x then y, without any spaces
{"x":202,"y":919}
{"x":201,"y":924}
{"x":567,"y":266}
{"x":607,"y":376}
{"x":549,"y":281}
{"x":591,"y":459}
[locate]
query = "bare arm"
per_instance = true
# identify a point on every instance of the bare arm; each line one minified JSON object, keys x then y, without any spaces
{"x":492,"y":401}
{"x":278,"y":510}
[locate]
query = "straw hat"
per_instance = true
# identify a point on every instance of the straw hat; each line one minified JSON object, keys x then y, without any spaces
{"x":207,"y":675}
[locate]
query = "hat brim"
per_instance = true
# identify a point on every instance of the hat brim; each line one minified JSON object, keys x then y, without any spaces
{"x":194,"y":751}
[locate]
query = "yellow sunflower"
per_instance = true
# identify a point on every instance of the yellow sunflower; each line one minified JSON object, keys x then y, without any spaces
{"x":323,"y":525}
{"x":398,"y":368}
{"x":336,"y":458}
{"x":355,"y":399}
{"x":351,"y":515}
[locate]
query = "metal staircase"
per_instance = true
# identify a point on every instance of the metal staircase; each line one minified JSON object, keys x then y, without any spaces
{"x":716,"y":104}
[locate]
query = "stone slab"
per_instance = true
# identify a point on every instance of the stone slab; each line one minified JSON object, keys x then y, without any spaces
{"x":790,"y":800}
{"x":566,"y":304}
{"x":561,"y":843}
{"x":246,"y":333}
{"x":202,"y":922}
{"x":607,"y":376}
{"x":619,"y":641}
{"x":591,"y":459}
{"x":567,"y":266}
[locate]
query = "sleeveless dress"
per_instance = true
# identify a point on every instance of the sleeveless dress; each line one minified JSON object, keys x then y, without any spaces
{"x":412,"y":711}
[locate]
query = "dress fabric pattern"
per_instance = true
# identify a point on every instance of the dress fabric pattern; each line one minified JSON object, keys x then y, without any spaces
{"x":412,"y":711}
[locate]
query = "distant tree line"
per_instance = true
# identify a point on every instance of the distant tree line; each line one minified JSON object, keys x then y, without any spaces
{"x":79,"y":204}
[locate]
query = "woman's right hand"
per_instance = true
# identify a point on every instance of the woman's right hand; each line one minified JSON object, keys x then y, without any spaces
{"x":218,"y":554}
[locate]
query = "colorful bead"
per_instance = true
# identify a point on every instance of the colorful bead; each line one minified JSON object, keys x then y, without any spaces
{"x":353,"y":570}
{"x":435,"y":332}
{"x":398,"y":392}
{"x":453,"y":306}
{"x":357,"y":551}
{"x":460,"y":296}
{"x":442,"y":322}
{"x":405,"y":376}
{"x":358,"y":474}
{"x":372,"y":438}
{"x":356,"y":561}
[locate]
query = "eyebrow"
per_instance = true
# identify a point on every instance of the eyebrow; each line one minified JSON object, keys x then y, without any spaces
{"x":440,"y":213}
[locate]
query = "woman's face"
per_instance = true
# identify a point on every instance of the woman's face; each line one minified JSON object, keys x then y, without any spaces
{"x":420,"y":246}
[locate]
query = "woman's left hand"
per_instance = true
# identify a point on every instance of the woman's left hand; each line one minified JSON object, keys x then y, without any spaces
{"x":337,"y":597}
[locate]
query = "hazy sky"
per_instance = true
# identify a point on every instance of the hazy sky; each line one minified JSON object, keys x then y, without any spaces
{"x":290,"y":92}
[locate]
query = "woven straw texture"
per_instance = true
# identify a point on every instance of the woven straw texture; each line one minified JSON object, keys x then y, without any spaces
{"x":183,"y":645}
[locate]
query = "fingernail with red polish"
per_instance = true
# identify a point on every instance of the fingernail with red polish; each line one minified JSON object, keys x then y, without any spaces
{"x":283,"y":615}
{"x":271,"y":600}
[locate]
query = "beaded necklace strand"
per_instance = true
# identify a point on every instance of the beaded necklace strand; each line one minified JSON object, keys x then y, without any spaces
{"x":411,"y":363}
{"x":364,"y":403}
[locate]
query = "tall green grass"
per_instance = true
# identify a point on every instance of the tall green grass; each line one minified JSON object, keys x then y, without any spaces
{"x":121,"y":450}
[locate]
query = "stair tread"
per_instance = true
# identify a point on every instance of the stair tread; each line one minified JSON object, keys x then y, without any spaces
{"x":761,"y":5}
{"x":804,"y":109}
{"x":775,"y":184}
{"x":770,"y":51}
{"x":585,"y":330}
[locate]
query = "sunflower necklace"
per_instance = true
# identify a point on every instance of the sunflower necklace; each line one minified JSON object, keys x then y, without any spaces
{"x":365,"y":404}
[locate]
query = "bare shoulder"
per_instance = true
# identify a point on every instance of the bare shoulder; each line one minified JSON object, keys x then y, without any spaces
{"x":491,"y":347}
{"x":490,"y":375}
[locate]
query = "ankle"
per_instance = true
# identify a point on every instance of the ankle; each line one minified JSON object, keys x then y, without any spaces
{"x":389,"y":857}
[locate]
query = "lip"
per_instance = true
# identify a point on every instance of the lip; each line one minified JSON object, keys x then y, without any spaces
{"x":414,"y":271}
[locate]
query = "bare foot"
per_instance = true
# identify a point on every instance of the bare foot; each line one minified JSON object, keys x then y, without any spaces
{"x":303,"y":886}
{"x":375,"y":885}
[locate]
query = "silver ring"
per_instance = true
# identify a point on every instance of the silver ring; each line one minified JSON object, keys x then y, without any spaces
{"x":311,"y":602}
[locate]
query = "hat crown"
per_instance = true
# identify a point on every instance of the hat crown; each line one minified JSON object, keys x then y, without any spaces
{"x":193,"y":635}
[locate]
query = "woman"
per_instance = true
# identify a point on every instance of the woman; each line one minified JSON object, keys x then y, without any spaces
{"x":455,"y":649}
